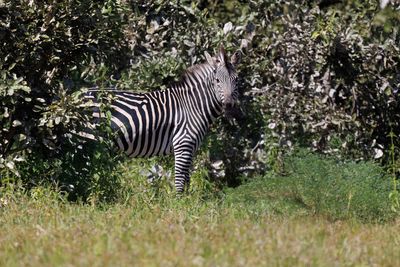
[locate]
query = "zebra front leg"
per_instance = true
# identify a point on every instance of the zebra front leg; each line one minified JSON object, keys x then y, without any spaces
{"x":183,"y":163}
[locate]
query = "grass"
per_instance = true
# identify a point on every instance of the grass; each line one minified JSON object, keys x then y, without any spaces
{"x":314,"y":185}
{"x":276,"y":220}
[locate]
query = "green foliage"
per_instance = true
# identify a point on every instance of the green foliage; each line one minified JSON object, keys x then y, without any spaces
{"x":322,"y":186}
{"x":146,"y":181}
{"x":47,"y":51}
{"x":308,"y":212}
{"x":13,"y":92}
{"x":393,"y":169}
{"x":332,"y":73}
{"x":324,"y":76}
{"x":341,"y":190}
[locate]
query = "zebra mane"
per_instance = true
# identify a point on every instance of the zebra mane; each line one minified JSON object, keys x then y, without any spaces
{"x":199,"y":68}
{"x":193,"y":70}
{"x":196,"y":68}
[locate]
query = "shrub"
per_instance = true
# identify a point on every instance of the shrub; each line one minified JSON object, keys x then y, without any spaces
{"x":328,"y":77}
{"x":47,"y":49}
{"x":319,"y":185}
{"x":321,"y":74}
{"x":340,"y":189}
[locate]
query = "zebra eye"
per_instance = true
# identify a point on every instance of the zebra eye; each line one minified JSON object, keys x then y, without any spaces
{"x":217,"y":80}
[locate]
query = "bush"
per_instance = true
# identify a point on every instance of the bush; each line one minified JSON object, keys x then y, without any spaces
{"x":328,"y":77}
{"x":340,"y":190}
{"x":61,"y":47}
{"x":321,"y":74}
{"x":322,"y":186}
{"x":47,"y":49}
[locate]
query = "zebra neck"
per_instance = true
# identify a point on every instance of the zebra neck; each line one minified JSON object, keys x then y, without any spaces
{"x":198,"y":90}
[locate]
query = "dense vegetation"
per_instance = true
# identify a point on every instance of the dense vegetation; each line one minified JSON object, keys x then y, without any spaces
{"x":317,"y":74}
{"x":269,"y":221}
{"x":304,"y":174}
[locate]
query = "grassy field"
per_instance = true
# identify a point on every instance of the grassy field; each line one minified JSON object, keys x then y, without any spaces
{"x":321,"y":213}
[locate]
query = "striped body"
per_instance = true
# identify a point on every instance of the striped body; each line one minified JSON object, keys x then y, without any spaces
{"x":169,"y":121}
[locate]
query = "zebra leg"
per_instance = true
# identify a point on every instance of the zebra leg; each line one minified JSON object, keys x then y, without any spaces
{"x":183,"y":163}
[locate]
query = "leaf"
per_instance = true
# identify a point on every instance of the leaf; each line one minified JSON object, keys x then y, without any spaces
{"x":25,"y":88}
{"x":227,"y":27}
{"x":383,"y":3}
{"x":16,"y":123}
{"x":189,"y":43}
{"x":19,"y":159}
{"x":12,"y":66}
{"x":10,"y":165}
{"x":378,"y":153}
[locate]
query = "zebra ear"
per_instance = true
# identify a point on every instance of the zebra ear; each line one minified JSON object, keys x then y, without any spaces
{"x":209,"y":58}
{"x":236,"y":58}
{"x":222,"y":55}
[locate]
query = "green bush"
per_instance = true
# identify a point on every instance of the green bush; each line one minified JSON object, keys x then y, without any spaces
{"x":322,"y":186}
{"x":326,"y":73}
{"x":320,"y":75}
{"x":47,"y":51}
{"x":340,"y":190}
{"x":54,"y":49}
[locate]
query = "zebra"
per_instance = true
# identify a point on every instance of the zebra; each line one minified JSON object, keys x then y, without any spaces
{"x":174,"y":120}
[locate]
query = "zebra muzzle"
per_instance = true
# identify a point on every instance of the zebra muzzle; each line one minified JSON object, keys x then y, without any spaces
{"x":229,"y":105}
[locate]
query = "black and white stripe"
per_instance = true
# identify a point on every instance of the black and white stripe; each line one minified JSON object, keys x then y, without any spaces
{"x":173,"y":120}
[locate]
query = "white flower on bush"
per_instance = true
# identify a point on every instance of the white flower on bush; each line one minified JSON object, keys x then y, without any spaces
{"x":384,"y":3}
{"x":378,"y":153}
{"x":3,"y":202}
{"x":156,"y":172}
{"x":271,"y":125}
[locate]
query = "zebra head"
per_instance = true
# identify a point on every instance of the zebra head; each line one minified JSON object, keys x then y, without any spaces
{"x":225,"y":77}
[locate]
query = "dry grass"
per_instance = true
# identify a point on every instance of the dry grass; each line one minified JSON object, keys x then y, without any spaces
{"x":302,"y":219}
{"x":184,"y":233}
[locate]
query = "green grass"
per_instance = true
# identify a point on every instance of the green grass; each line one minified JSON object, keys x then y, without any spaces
{"x":314,"y":185}
{"x":303,"y":218}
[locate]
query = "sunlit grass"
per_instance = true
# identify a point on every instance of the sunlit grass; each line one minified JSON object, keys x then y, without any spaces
{"x":270,"y":221}
{"x":49,"y":233}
